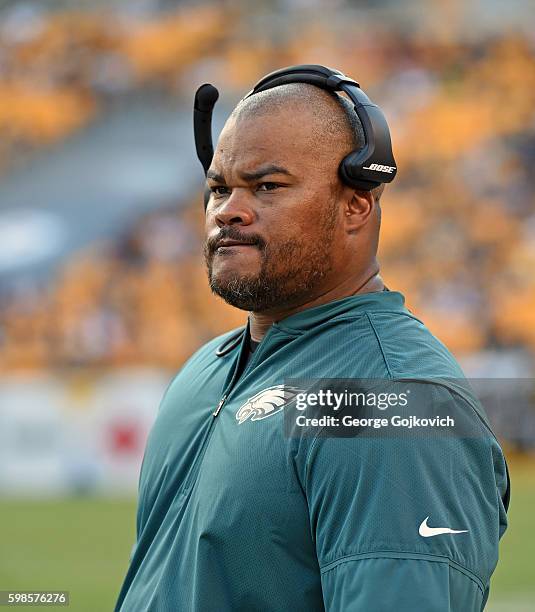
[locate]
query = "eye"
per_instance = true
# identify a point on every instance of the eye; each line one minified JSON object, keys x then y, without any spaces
{"x":268,"y":186}
{"x":219,"y":190}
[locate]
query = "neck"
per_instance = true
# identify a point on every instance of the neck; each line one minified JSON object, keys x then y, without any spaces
{"x":366,"y":282}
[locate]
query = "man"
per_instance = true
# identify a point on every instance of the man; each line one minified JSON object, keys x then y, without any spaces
{"x":238,"y":513}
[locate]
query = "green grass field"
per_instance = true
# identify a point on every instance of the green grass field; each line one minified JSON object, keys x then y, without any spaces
{"x":513,"y":582}
{"x":82,"y":545}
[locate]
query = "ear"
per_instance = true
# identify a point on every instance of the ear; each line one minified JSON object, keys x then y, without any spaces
{"x":358,"y":208}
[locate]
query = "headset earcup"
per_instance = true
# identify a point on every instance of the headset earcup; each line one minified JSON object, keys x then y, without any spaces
{"x":350,"y":168}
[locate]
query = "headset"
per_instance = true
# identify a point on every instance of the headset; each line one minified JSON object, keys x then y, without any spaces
{"x":363,"y":169}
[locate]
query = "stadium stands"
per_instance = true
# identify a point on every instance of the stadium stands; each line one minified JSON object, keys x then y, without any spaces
{"x":458,"y":230}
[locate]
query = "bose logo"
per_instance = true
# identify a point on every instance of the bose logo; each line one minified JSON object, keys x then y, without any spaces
{"x":380,"y":168}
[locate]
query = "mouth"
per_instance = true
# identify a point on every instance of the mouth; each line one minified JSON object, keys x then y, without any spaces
{"x":232,"y":244}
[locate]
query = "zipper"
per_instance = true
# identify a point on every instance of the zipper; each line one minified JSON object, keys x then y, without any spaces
{"x":220,"y":405}
{"x":235,"y":378}
{"x":195,"y":469}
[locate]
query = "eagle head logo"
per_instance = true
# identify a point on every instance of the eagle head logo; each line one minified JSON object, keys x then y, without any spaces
{"x":266,"y":403}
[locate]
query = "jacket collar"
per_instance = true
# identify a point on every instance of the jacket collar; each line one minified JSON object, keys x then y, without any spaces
{"x":352,"y":306}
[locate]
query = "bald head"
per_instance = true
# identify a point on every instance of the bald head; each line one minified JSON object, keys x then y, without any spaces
{"x":332,"y":120}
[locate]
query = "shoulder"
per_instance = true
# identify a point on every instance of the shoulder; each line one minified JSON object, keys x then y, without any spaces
{"x":409,"y":348}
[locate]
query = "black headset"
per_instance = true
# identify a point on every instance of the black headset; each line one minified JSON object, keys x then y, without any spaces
{"x":362,"y":169}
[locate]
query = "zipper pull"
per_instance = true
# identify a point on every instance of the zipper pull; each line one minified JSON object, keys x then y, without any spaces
{"x":219,"y":406}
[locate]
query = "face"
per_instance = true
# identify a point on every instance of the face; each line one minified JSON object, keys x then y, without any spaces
{"x":272,"y":222}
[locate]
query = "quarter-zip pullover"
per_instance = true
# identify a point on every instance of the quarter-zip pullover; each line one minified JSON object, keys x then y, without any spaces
{"x":234,"y":515}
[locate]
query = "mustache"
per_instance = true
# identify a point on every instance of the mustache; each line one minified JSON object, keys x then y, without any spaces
{"x":233,"y":233}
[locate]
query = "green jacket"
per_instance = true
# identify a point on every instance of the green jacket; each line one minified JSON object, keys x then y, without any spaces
{"x":234,"y":514}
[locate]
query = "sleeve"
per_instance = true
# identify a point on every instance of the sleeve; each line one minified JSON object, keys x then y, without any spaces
{"x":384,"y":509}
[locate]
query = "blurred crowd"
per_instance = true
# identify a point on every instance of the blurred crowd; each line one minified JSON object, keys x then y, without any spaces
{"x":59,"y":70}
{"x":458,"y":231}
{"x":141,"y":300}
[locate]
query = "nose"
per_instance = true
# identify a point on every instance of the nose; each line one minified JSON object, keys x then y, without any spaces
{"x":235,"y":210}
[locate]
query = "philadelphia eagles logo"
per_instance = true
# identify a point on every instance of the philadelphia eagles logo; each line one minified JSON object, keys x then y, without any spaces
{"x":266,"y":403}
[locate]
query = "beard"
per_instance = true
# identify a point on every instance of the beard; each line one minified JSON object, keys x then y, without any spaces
{"x":289,"y":272}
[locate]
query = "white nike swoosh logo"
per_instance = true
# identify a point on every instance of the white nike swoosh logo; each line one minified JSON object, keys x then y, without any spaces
{"x":426,"y":532}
